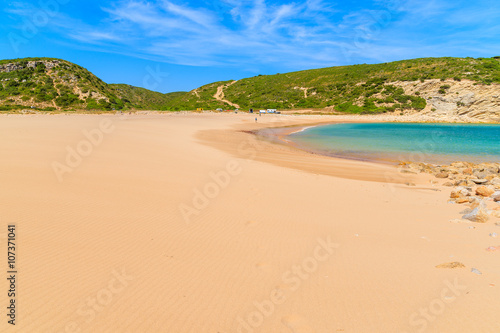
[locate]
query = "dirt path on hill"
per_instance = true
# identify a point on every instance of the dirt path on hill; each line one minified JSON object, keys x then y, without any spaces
{"x":219,"y":95}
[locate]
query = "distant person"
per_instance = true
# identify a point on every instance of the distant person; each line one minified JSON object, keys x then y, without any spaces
{"x":255,"y":119}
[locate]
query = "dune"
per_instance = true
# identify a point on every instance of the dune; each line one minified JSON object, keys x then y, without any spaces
{"x":189,"y":223}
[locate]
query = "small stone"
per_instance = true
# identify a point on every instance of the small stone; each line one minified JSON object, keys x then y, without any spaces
{"x":484,"y":191}
{"x":468,"y":171}
{"x":448,"y":184}
{"x":478,"y":214}
{"x":469,"y":183}
{"x":442,"y":175}
{"x":451,"y":265}
{"x":479,"y":181}
{"x":476,"y":271}
{"x":459,"y":165}
{"x":480,"y":175}
{"x":490,"y":177}
{"x":407,"y":171}
{"x":475,"y":201}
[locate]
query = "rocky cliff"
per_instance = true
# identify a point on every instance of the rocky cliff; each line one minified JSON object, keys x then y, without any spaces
{"x":450,"y":99}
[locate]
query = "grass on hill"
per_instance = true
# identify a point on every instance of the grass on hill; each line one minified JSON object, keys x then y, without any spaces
{"x":144,"y":99}
{"x":352,"y":89}
{"x":65,"y":85}
{"x":358,"y":88}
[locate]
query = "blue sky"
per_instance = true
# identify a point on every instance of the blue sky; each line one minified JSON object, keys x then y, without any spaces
{"x":181,"y":44}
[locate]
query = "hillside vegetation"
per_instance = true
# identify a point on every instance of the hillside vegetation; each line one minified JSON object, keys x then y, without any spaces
{"x":358,"y":88}
{"x":55,"y":84}
{"x":50,"y":84}
{"x":200,"y":98}
{"x":141,"y":98}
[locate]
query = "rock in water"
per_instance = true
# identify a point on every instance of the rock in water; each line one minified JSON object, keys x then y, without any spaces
{"x":478,"y":214}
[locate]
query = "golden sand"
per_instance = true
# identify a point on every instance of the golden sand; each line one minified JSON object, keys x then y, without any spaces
{"x":187,"y":223}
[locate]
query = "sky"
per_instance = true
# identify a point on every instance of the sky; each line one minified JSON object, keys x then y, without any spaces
{"x":179,"y":45}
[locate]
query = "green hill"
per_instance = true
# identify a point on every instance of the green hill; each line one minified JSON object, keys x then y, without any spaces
{"x":144,"y":99}
{"x":358,"y":88}
{"x":200,"y":98}
{"x":49,"y":84}
{"x":55,"y":84}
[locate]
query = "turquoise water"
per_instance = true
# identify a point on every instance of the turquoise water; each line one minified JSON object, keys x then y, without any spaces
{"x":433,"y":143}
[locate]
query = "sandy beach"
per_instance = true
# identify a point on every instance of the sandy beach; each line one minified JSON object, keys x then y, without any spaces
{"x":187,"y":222}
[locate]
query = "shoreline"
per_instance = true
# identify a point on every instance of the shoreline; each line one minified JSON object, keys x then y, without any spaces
{"x":279,"y":135}
{"x":276,"y":150}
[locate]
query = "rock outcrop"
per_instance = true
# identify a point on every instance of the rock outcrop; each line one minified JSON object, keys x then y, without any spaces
{"x":474,"y":185}
{"x":457,"y":98}
{"x":10,"y":67}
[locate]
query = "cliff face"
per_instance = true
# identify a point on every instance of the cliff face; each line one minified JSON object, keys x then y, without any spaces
{"x":452,"y":99}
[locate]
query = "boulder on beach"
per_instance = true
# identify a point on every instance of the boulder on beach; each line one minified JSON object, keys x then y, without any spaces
{"x":478,"y":214}
{"x":442,"y":175}
{"x":459,"y":165}
{"x":484,"y":191}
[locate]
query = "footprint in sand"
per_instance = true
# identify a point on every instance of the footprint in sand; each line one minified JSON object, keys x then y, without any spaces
{"x":297,"y":324}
